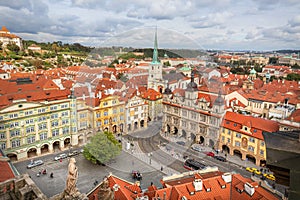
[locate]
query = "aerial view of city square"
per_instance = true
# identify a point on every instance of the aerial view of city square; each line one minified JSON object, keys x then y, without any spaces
{"x":149,"y":100}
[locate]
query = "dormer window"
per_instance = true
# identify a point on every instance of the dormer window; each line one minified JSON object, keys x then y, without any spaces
{"x":245,"y":128}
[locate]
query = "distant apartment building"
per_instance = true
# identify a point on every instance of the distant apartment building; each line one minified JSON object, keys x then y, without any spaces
{"x":6,"y":37}
{"x":241,"y":135}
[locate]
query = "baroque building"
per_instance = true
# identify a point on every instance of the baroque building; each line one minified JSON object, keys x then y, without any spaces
{"x":192,"y":114}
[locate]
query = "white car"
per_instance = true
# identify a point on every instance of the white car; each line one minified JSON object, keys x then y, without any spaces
{"x":34,"y":164}
{"x":60,"y":156}
{"x":196,"y":148}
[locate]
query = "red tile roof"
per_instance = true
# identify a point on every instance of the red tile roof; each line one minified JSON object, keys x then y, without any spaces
{"x":152,"y":95}
{"x":235,"y":122}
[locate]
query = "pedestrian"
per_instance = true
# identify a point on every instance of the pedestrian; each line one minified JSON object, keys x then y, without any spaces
{"x":51,"y":175}
{"x":161,"y":168}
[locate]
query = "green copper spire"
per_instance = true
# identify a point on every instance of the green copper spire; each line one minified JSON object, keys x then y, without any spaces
{"x":155,"y":51}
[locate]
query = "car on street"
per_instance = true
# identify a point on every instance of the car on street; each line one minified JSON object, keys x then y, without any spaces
{"x":251,"y":169}
{"x":73,"y":153}
{"x":270,"y":177}
{"x":181,"y":143}
{"x":196,"y":148}
{"x":211,"y":154}
{"x":60,"y":156}
{"x":34,"y":164}
{"x":220,"y":158}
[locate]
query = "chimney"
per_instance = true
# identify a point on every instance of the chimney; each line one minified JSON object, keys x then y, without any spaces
{"x":249,"y":188}
{"x":227,"y":177}
{"x":198,"y":184}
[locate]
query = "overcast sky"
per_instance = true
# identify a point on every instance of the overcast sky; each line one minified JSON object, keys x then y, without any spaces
{"x":204,"y":24}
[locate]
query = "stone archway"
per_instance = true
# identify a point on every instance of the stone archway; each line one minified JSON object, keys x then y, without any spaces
{"x":121,"y":128}
{"x":136,"y":125}
{"x":32,"y":152}
{"x":175,"y":130}
{"x":237,"y":153}
{"x":201,"y":141}
{"x":67,"y":142}
{"x":168,"y":128}
{"x":114,"y":129}
{"x":251,"y":158}
{"x":80,"y":139}
{"x":12,"y":157}
{"x":225,"y":149}
{"x":105,"y":129}
{"x":44,"y":149}
{"x":56,"y":146}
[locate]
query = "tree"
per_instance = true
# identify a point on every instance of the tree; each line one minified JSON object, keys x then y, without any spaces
{"x":13,"y":47}
{"x":293,"y":77}
{"x":102,"y":148}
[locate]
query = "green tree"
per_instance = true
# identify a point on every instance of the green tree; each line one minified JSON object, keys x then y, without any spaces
{"x":293,"y":77}
{"x":13,"y":47}
{"x":102,"y":148}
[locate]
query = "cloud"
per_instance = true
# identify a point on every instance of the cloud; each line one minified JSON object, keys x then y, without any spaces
{"x":210,"y":20}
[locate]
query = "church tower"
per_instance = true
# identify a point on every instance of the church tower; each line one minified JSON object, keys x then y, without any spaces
{"x":155,"y":68}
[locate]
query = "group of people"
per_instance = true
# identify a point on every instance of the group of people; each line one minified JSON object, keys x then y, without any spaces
{"x":44,"y":171}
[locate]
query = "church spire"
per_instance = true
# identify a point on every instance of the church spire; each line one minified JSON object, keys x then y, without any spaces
{"x":155,"y":51}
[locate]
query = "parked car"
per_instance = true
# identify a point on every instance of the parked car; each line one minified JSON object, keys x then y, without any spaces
{"x":211,"y":154}
{"x":270,"y":177}
{"x":251,"y":169}
{"x":180,"y":143}
{"x":196,"y":148}
{"x":73,"y":153}
{"x":136,"y":175}
{"x":34,"y":164}
{"x":60,"y":156}
{"x":220,"y":158}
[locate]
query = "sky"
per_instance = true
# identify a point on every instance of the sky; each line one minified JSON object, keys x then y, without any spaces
{"x":196,"y":24}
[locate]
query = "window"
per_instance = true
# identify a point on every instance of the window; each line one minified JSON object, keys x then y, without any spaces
{"x":30,"y":129}
{"x":235,"y":124}
{"x":42,"y":118}
{"x":98,"y":115}
{"x":106,"y":121}
{"x":43,"y":136}
{"x":262,"y":143}
{"x":42,"y":126}
{"x":228,"y":140}
{"x":14,"y":133}
{"x":65,"y":121}
{"x":1,"y":126}
{"x":121,"y":109}
{"x":251,"y":139}
{"x":66,"y":130}
{"x":2,"y":135}
{"x":251,"y":148}
{"x":254,"y":131}
{"x":105,"y":103}
{"x":42,"y":110}
{"x":237,"y":144}
{"x":66,"y":113}
{"x":54,"y":123}
{"x":238,"y":135}
{"x":98,"y":124}
{"x":1,"y":117}
{"x":227,"y":122}
{"x":114,"y":119}
{"x":121,"y":117}
{"x":15,"y":143}
{"x":30,"y":112}
{"x":83,"y":124}
{"x":223,"y":138}
{"x":53,"y":108}
{"x":228,"y":132}
{"x":64,"y":105}
{"x":14,"y":124}
{"x":136,"y":109}
{"x":105,"y":113}
{"x":29,"y":121}
{"x":30,"y":139}
{"x":262,"y":152}
{"x":184,"y":112}
{"x":54,"y":116}
{"x":3,"y":146}
{"x":55,"y":132}
{"x":82,"y":115}
{"x":13,"y":115}
{"x":114,"y":102}
{"x":245,"y":128}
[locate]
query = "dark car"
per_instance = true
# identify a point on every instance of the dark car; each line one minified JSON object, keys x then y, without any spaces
{"x":220,"y":158}
{"x":136,"y":175}
{"x":180,"y":143}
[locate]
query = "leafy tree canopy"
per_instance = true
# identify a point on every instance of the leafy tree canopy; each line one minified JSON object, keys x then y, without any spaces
{"x":102,"y":148}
